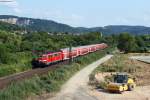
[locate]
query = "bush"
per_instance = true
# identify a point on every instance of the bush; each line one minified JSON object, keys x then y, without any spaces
{"x":4,"y":54}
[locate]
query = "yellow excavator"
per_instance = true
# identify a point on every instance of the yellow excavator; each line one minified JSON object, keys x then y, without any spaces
{"x":122,"y":82}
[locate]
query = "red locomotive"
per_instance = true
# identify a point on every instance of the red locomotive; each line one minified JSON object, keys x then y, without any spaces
{"x":66,"y":53}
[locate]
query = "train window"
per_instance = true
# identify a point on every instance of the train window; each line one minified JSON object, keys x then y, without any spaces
{"x":56,"y":54}
{"x":44,"y":56}
{"x":49,"y":56}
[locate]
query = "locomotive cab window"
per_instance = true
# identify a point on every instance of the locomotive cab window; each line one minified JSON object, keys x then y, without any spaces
{"x":44,"y":56}
{"x":50,"y":56}
{"x":56,"y":55}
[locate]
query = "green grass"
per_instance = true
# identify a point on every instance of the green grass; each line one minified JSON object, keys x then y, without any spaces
{"x":21,"y":63}
{"x":50,"y":82}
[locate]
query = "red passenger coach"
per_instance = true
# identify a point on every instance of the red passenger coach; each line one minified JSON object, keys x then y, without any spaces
{"x":92,"y":48}
{"x":104,"y":45}
{"x":84,"y":50}
{"x":67,"y":54}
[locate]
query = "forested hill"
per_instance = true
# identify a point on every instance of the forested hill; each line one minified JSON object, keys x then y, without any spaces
{"x":51,"y":26}
{"x":9,"y":27}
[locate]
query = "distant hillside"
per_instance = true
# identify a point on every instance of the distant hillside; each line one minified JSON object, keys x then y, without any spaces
{"x":51,"y":26}
{"x":37,"y":24}
{"x":130,"y":29}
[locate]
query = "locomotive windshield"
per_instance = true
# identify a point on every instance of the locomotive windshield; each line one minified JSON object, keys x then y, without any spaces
{"x":43,"y":56}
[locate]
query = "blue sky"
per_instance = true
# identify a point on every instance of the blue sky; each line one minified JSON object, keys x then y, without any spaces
{"x":84,"y":13}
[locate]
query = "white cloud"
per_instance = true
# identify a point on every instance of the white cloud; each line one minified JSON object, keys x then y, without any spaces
{"x":13,"y":4}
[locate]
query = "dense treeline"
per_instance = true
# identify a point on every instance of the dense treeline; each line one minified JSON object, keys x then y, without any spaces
{"x":10,"y":27}
{"x":17,"y":50}
{"x":40,"y":42}
{"x":130,"y":43}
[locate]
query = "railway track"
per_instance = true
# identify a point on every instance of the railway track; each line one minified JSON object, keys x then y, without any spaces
{"x":7,"y":80}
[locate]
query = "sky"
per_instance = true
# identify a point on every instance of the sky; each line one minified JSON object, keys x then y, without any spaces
{"x":82,"y":13}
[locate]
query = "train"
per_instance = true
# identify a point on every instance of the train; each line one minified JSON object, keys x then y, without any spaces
{"x":49,"y":58}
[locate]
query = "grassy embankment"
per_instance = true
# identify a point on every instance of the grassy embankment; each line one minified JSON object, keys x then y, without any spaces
{"x":122,"y":63}
{"x":21,"y":63}
{"x":48,"y":83}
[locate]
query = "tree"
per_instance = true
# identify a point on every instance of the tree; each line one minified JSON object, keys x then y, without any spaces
{"x":127,"y":43}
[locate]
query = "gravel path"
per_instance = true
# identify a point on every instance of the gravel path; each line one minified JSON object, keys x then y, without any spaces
{"x":76,"y":88}
{"x":142,"y":58}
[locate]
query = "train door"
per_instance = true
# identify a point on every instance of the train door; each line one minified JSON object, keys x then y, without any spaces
{"x":50,"y":58}
{"x":56,"y":57}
